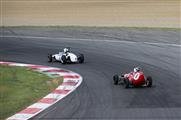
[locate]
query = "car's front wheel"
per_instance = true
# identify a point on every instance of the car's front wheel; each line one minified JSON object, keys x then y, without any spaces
{"x":50,"y":58}
{"x":116,"y":79}
{"x":126,"y":83}
{"x":64,"y":60}
{"x":149,"y":81}
{"x":81,"y":58}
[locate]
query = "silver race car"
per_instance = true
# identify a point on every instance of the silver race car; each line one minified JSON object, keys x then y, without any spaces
{"x":66,"y":57}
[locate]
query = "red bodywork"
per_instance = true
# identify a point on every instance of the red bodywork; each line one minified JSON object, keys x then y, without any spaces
{"x":136,"y":78}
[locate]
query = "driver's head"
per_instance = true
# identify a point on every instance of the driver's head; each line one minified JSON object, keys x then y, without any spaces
{"x":137,"y":69}
{"x":65,"y":50}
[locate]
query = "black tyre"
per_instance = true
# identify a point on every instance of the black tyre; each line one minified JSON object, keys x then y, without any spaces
{"x":126,"y":83}
{"x":50,"y":58}
{"x":149,"y":81}
{"x":116,"y":79}
{"x":81,"y":58}
{"x":64,"y":60}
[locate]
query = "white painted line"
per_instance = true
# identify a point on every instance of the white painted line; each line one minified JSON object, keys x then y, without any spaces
{"x":91,"y":40}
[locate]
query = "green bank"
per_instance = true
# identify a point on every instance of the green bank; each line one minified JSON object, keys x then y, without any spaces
{"x":21,"y":87}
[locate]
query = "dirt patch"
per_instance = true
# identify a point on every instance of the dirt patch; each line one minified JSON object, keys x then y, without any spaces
{"x":144,"y":13}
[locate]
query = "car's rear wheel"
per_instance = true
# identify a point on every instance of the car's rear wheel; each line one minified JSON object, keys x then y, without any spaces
{"x":115,"y":79}
{"x":149,"y":81}
{"x":50,"y":58}
{"x":81,"y":58}
{"x":126,"y":83}
{"x":64,"y":60}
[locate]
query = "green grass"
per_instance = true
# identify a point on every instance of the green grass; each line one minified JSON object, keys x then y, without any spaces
{"x":21,"y":87}
{"x":79,"y":26}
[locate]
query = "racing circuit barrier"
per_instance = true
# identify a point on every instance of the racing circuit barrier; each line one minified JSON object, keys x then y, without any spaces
{"x":70,"y":82}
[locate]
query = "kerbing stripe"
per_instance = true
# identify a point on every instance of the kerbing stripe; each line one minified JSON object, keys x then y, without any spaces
{"x":38,"y":67}
{"x":30,"y":110}
{"x":45,"y":69}
{"x":47,"y":100}
{"x":61,"y":87}
{"x":56,"y":70}
{"x":54,"y":95}
{"x":69,"y":83}
{"x":61,"y":91}
{"x":71,"y":76}
{"x":21,"y":116}
{"x":6,"y":63}
{"x":40,"y":105}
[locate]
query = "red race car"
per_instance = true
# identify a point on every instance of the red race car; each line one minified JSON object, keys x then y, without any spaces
{"x":133,"y":79}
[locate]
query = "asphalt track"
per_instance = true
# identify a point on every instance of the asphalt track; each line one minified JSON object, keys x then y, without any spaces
{"x":107,"y":52}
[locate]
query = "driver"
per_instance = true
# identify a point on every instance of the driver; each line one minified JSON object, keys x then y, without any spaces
{"x":66,"y":51}
{"x":135,"y":70}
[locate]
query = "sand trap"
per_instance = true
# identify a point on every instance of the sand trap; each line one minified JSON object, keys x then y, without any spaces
{"x":144,"y":13}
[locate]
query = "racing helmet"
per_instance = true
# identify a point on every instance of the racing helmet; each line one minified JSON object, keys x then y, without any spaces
{"x":137,"y":69}
{"x":65,"y":50}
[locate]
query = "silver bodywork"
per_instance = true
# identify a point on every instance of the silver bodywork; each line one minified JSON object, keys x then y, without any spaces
{"x":72,"y":56}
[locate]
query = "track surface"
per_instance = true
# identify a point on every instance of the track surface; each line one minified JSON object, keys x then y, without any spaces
{"x":123,"y":49}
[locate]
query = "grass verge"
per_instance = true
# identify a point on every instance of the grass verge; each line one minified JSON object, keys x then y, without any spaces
{"x":21,"y":87}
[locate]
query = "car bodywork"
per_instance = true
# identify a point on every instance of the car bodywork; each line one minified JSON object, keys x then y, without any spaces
{"x":133,"y":79}
{"x":66,"y":57}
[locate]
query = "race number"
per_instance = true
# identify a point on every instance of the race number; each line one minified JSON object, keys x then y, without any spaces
{"x":136,"y":76}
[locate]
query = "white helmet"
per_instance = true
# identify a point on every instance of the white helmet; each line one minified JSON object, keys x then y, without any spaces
{"x":65,"y":50}
{"x":137,"y":69}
